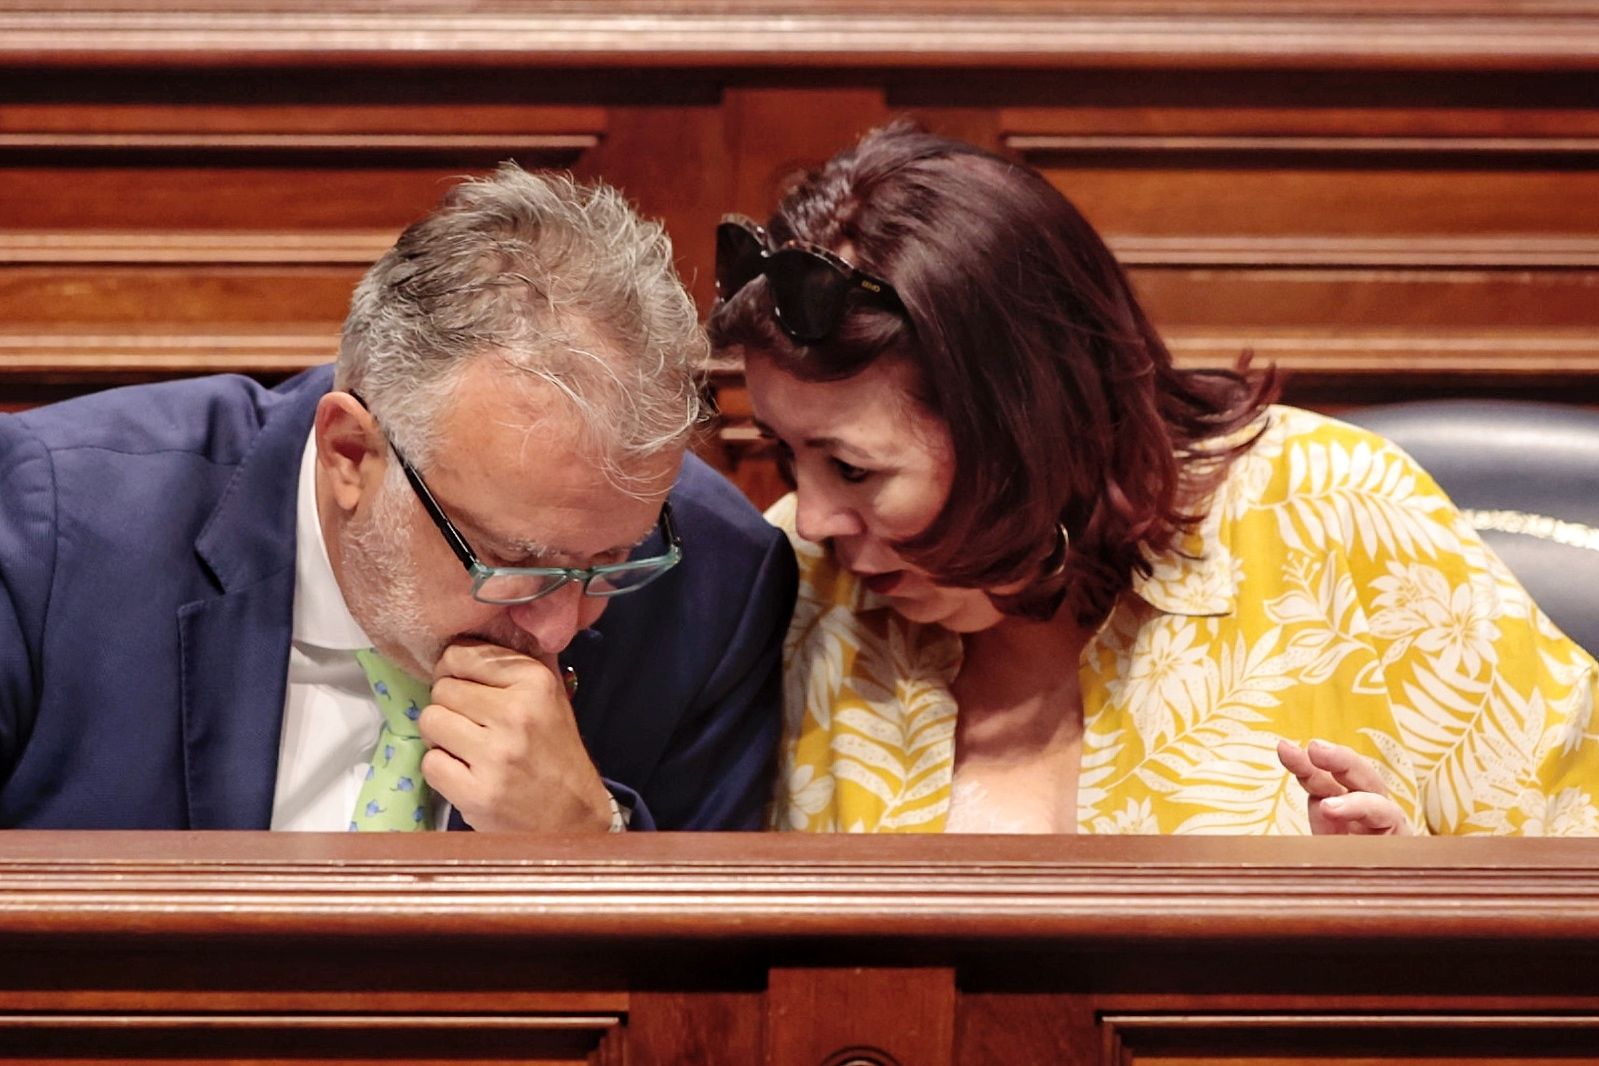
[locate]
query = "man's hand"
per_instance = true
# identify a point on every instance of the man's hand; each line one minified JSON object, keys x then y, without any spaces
{"x":504,"y":746}
{"x":1347,"y":795}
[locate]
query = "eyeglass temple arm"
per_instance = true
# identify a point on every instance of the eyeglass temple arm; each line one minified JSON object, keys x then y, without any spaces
{"x":452,"y":537}
{"x":669,"y":527}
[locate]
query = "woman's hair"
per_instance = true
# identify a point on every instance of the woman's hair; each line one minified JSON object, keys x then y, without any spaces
{"x":1062,"y":402}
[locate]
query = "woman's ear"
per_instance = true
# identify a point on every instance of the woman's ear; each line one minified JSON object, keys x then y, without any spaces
{"x":350,"y":449}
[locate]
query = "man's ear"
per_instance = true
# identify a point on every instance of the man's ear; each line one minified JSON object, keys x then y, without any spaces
{"x":350,"y":449}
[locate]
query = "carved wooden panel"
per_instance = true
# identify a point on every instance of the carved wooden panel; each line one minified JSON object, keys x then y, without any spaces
{"x":149,"y":227}
{"x":422,"y":1039}
{"x":860,"y":1016}
{"x":738,"y":949}
{"x":1388,"y":200}
{"x":695,"y":1024}
{"x":1443,"y":231}
{"x":1288,"y":1039}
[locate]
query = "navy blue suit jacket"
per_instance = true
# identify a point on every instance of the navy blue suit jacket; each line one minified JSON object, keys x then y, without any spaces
{"x":147,"y":546}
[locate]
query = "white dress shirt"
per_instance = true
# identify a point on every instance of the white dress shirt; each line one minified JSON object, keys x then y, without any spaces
{"x":330,"y":720}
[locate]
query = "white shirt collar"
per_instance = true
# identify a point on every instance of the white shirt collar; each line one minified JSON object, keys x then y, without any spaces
{"x":321,"y":618}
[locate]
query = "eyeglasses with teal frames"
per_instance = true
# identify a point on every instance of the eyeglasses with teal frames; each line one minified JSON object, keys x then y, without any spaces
{"x":510,"y":585}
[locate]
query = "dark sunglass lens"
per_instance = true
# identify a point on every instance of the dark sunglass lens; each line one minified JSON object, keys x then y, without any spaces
{"x":808,"y":293}
{"x":738,"y":259}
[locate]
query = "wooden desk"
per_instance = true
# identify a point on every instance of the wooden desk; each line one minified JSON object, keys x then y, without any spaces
{"x":744,"y":949}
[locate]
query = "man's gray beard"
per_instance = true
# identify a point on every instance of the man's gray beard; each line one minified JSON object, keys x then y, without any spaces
{"x":387,"y":597}
{"x":386,"y":592}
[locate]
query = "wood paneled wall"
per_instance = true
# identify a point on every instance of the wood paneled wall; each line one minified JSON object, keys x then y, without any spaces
{"x":1386,"y":199}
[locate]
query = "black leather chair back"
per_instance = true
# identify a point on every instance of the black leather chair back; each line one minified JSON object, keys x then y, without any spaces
{"x":1527,"y":476}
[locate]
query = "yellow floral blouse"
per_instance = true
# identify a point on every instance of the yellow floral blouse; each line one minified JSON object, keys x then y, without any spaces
{"x":1333,"y":591}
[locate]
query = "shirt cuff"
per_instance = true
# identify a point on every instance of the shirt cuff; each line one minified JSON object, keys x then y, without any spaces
{"x":620,"y":816}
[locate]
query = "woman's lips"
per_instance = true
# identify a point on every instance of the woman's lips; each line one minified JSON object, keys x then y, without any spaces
{"x":883,"y":584}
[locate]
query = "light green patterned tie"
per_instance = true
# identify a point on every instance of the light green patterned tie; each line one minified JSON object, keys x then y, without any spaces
{"x":394,"y":797}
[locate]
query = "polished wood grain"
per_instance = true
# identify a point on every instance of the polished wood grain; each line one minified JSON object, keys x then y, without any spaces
{"x":1531,"y":34}
{"x":788,"y":950}
{"x":821,"y":1014}
{"x":1385,"y":200}
{"x":704,"y":887}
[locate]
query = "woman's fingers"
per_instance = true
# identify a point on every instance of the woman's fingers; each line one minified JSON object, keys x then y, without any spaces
{"x":1353,"y":771}
{"x":1347,"y":794}
{"x":1315,"y":780}
{"x":1364,"y":813}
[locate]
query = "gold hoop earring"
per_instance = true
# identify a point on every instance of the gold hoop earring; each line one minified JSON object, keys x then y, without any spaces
{"x":1063,"y":550}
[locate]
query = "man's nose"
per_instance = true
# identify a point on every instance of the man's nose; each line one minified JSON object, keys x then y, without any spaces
{"x":554,"y":620}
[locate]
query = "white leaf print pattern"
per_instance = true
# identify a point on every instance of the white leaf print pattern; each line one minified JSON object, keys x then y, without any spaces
{"x":863,"y":763}
{"x":806,"y":794}
{"x":1466,"y":738}
{"x":1167,"y":678}
{"x":1101,"y":752}
{"x":929,"y":729}
{"x":1135,"y":817}
{"x":1573,"y":714}
{"x":1321,"y":602}
{"x":827,"y":639}
{"x":896,"y":740}
{"x":1569,"y":812}
{"x":1223,"y":762}
{"x":1397,"y":773}
{"x":1359,"y":497}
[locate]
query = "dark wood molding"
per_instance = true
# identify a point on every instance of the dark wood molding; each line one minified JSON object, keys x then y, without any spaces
{"x":359,"y":248}
{"x":407,"y":145}
{"x":219,"y":248}
{"x":397,"y":1036}
{"x":1398,"y":357}
{"x":463,"y":152}
{"x":415,"y":1023}
{"x":1476,"y":252}
{"x":1037,"y":34}
{"x":1413,"y":353}
{"x":1093,"y":891}
{"x":1043,"y":149}
{"x":740,"y":949}
{"x":1288,"y":1036}
{"x":89,"y":358}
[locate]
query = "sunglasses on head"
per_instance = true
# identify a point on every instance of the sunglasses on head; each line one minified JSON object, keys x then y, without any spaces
{"x":809,"y":284}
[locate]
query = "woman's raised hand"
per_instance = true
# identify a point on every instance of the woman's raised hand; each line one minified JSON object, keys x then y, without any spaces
{"x":1347,"y":795}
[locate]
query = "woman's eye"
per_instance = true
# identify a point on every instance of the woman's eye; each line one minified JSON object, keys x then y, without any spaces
{"x":785,"y":461}
{"x":849,"y":473}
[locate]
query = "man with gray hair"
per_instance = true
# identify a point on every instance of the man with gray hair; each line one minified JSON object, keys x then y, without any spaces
{"x":372,"y":597}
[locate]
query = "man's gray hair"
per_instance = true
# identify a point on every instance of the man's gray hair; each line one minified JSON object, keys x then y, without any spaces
{"x":561,"y":280}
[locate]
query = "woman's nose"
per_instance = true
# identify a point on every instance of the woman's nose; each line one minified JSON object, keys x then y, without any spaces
{"x":818,"y":516}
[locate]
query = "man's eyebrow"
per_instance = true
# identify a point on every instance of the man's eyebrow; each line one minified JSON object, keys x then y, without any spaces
{"x":513,"y":548}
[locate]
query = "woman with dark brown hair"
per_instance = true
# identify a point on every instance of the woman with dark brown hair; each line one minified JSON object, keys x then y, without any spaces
{"x":1052,"y":583}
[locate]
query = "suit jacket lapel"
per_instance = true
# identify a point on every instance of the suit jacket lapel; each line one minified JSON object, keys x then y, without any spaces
{"x":236,"y":643}
{"x":235,"y":668}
